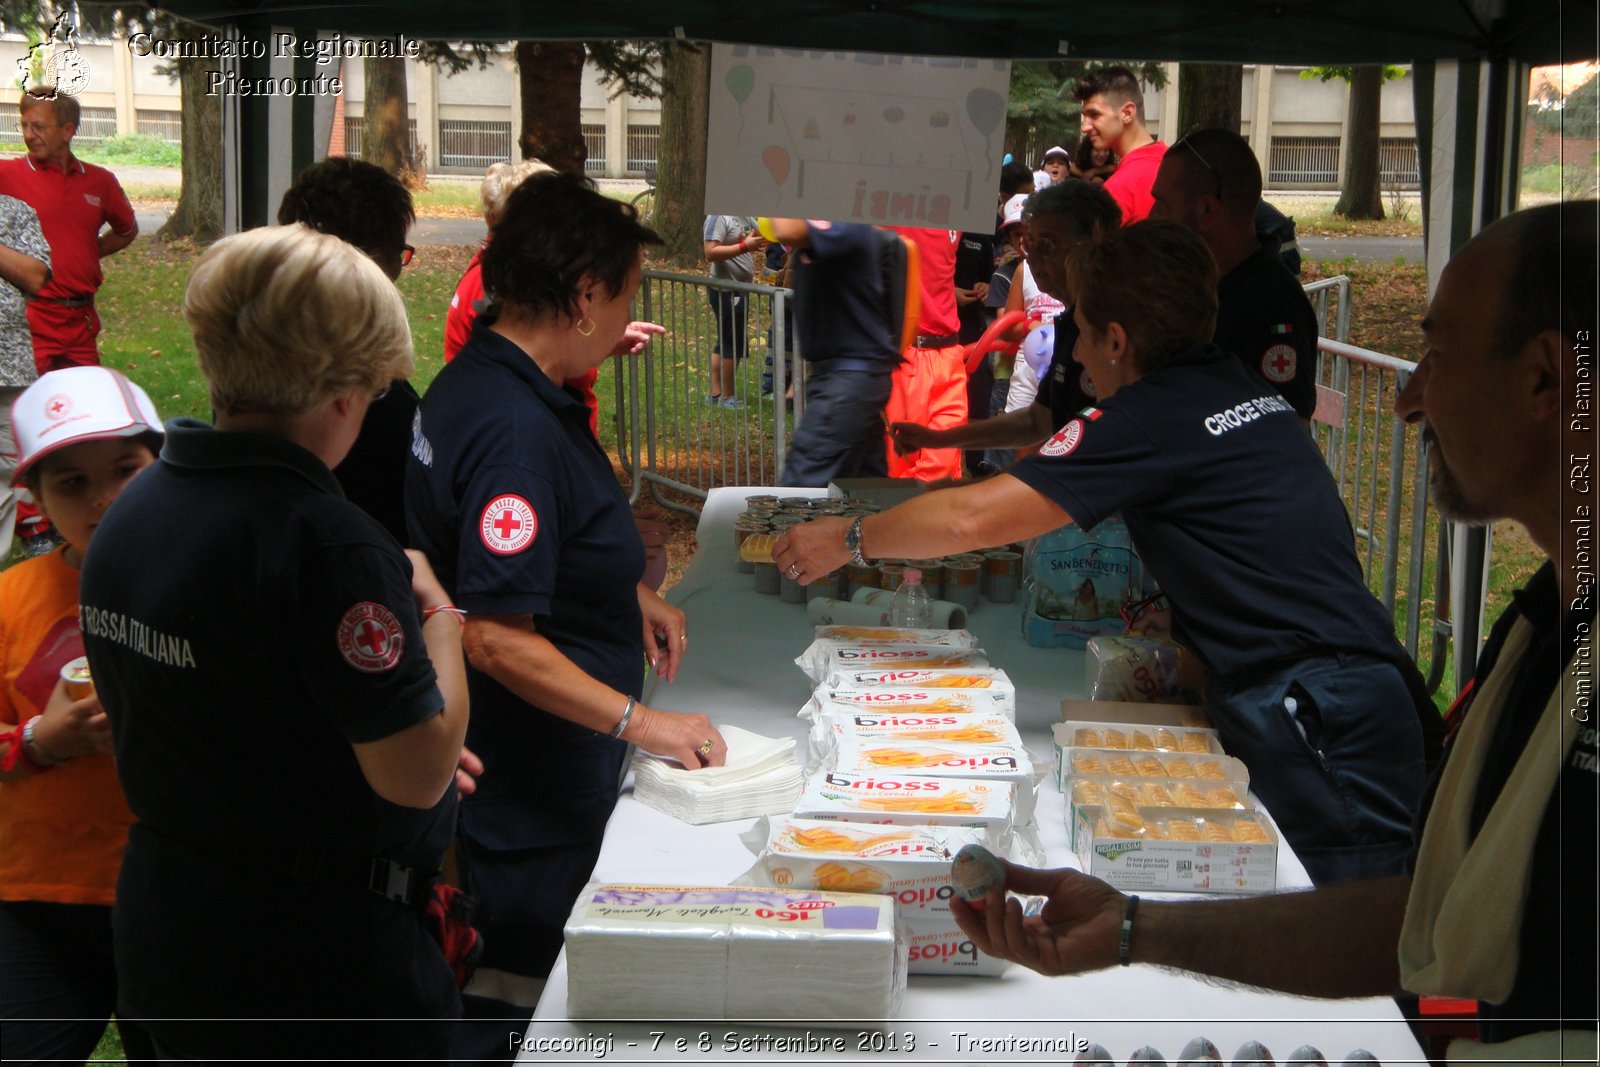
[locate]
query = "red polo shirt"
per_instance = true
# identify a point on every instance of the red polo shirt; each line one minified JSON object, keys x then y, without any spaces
{"x":73,"y":204}
{"x":1130,"y":185}
{"x":936,"y":254}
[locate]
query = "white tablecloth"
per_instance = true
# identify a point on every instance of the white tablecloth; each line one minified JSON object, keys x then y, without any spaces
{"x":740,"y":670}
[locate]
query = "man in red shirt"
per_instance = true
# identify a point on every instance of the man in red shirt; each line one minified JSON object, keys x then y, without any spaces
{"x":930,"y":384}
{"x":1113,"y":118}
{"x":75,"y":202}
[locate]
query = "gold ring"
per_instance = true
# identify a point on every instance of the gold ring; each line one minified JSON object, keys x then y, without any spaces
{"x":683,"y":639}
{"x":706,"y":746}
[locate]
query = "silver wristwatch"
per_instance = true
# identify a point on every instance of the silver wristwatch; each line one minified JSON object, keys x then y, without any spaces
{"x":852,"y":541}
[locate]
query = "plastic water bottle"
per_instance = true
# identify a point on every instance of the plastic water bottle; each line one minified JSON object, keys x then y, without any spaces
{"x":911,"y":608}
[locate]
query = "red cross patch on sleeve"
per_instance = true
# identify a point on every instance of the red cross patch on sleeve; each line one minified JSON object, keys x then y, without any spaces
{"x":508,"y":525}
{"x":370,"y":638}
{"x":1065,"y":440}
{"x":1278,"y":364}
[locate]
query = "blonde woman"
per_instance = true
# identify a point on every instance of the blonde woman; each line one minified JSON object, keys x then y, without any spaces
{"x":285,"y":687}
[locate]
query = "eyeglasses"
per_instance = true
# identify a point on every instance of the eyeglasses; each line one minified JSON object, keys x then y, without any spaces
{"x":1184,"y":142}
{"x":1039,"y":246}
{"x":407,"y":253}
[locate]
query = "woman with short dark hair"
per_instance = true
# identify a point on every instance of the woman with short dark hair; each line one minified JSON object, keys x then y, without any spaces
{"x":514,"y":501}
{"x":1233,"y":510}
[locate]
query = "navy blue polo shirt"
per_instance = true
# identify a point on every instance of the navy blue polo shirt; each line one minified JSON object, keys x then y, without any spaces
{"x":516,"y":506}
{"x":1065,"y":388}
{"x":243,"y":647}
{"x":1265,"y":318}
{"x":1231,"y":508}
{"x":838,"y":296}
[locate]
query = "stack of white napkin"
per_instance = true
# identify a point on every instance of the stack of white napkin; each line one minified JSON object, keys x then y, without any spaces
{"x":761,"y":777}
{"x":713,"y":952}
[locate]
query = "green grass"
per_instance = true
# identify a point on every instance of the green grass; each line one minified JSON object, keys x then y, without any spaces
{"x":133,"y":149}
{"x":1574,"y":180}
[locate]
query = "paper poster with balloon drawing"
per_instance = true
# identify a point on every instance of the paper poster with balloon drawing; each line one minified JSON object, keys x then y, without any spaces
{"x":856,"y":136}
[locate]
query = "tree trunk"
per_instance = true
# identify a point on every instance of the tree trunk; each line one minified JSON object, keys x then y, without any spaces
{"x":199,"y":210}
{"x":1362,"y":194}
{"x":385,"y":129}
{"x":550,"y":79}
{"x":679,"y":212}
{"x":1210,"y":96}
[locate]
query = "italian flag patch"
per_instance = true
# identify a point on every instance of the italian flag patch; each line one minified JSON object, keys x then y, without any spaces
{"x":1281,"y":329}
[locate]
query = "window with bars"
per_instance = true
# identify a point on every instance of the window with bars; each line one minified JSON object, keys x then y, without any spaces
{"x":643,"y":145}
{"x":1304,"y":161}
{"x":94,"y":124}
{"x":473,"y":144}
{"x":352,"y":137}
{"x":594,"y":143}
{"x":1397,"y":162}
{"x":166,"y":125}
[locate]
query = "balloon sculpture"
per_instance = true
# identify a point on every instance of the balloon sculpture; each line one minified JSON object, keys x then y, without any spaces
{"x":1038,"y":348}
{"x":992,"y":341}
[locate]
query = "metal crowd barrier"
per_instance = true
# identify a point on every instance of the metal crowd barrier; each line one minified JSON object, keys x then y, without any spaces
{"x":672,"y":441}
{"x":669,"y":437}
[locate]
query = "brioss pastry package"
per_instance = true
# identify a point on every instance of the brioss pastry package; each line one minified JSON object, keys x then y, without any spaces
{"x":909,"y":800}
{"x":907,"y":700}
{"x":827,"y":655}
{"x":992,"y":681}
{"x":859,"y":756}
{"x":909,"y":863}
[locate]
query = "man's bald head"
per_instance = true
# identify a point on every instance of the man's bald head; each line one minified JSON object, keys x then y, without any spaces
{"x":1221,"y":164}
{"x":1544,"y":261}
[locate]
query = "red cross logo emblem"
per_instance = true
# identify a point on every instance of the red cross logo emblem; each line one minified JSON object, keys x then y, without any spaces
{"x":1065,"y":440}
{"x":1278,"y":364}
{"x":370,"y":638}
{"x":508,"y":525}
{"x":58,"y":407}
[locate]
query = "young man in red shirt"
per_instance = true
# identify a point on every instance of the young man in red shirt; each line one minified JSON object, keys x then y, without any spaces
{"x":1113,"y":118}
{"x":76,"y":202}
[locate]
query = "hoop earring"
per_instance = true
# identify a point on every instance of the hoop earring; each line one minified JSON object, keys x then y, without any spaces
{"x":582,"y":322}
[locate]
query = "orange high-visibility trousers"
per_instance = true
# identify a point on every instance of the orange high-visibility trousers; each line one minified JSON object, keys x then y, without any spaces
{"x":930,"y":388}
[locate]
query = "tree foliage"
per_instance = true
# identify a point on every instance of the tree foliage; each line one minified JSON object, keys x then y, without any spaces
{"x":1041,"y":112}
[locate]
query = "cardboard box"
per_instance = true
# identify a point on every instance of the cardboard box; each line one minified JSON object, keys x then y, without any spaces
{"x":1163,"y":797}
{"x":1130,"y":860}
{"x":1129,"y":762}
{"x":1130,"y":712}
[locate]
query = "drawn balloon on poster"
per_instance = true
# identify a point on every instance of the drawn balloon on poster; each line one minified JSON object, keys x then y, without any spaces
{"x":740,"y":80}
{"x":987,"y":109}
{"x":777,"y":162}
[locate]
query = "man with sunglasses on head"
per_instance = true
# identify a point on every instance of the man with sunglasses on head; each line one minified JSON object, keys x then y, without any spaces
{"x":366,"y":206}
{"x":1113,"y":118}
{"x":1210,"y":183}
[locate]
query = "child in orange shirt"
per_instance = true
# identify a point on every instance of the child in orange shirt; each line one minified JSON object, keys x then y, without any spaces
{"x":81,"y":434}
